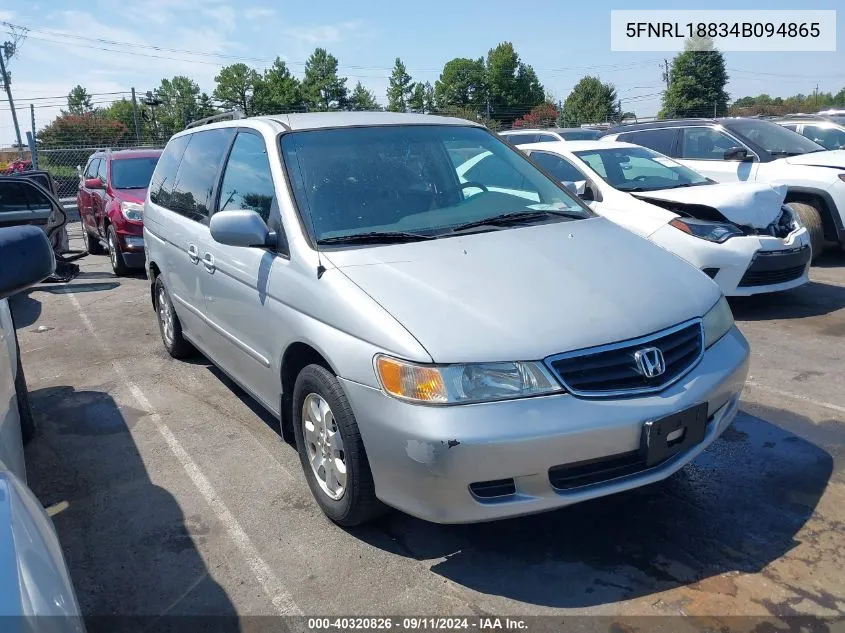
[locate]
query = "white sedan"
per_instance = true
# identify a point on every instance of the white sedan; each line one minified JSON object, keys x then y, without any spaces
{"x":740,"y":234}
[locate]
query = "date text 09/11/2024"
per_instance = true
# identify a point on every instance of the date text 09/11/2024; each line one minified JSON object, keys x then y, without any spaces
{"x":722,"y":29}
{"x":417,"y":623}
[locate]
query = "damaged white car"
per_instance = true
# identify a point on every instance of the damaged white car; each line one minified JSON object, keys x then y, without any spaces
{"x":740,"y":234}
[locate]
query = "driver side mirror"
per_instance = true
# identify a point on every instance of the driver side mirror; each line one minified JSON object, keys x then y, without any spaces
{"x":93,"y":183}
{"x":241,"y":228}
{"x":576,"y":187}
{"x":738,"y":153}
{"x":27,"y":258}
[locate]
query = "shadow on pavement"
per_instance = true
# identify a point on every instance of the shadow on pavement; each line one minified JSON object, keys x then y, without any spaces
{"x":814,"y":299}
{"x":80,"y":288}
{"x":25,"y":309}
{"x":129,"y":548}
{"x":738,"y":507}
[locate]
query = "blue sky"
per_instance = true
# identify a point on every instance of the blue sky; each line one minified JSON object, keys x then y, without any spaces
{"x":561,"y":40}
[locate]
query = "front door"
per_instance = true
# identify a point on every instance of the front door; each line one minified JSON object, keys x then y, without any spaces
{"x":703,"y":150}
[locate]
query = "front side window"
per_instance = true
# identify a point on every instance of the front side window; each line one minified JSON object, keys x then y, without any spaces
{"x":773,"y":138}
{"x":558,"y":167}
{"x":640,"y":169}
{"x":191,"y":195}
{"x":247,"y":182}
{"x":102,"y":170}
{"x":660,"y":140}
{"x":827,"y":137}
{"x":91,"y":170}
{"x":21,"y":196}
{"x":704,"y":143}
{"x":425,"y":180}
{"x":132,"y":173}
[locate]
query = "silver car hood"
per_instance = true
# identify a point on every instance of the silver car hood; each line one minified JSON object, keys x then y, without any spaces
{"x":829,"y":158}
{"x":527,"y":293}
{"x":745,"y":203}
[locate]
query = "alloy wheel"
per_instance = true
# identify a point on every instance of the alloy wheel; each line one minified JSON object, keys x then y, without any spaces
{"x":324,"y":445}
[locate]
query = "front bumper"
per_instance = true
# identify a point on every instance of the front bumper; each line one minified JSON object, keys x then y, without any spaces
{"x":132,"y":249}
{"x":424,"y":458}
{"x":730,"y":263}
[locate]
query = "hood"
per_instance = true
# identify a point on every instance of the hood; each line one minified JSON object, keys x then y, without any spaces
{"x":130,"y":195}
{"x":743,"y":203}
{"x":831,"y":158}
{"x":527,"y":293}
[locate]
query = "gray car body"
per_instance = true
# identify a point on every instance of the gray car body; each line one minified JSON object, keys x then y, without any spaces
{"x":517,"y":294}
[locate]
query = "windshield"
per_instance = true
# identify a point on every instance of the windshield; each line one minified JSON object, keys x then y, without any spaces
{"x":827,"y":137}
{"x":424,"y":180}
{"x":772,"y":137}
{"x":580,"y":135}
{"x":132,"y":173}
{"x":639,"y":169}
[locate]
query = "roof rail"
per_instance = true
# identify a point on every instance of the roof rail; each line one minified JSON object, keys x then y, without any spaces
{"x":229,"y":115}
{"x":798,"y":115}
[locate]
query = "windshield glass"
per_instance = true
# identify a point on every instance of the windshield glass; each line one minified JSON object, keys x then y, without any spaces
{"x":412,"y":179}
{"x":828,"y":137}
{"x":580,"y":135}
{"x":772,"y":137}
{"x":639,"y":169}
{"x":132,"y":173}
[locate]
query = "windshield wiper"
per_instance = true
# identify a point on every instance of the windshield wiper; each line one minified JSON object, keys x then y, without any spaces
{"x":376,"y":237}
{"x":783,"y":152}
{"x":687,"y":184}
{"x":515,"y":218}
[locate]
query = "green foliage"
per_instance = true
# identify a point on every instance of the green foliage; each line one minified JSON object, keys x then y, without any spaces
{"x":236,"y":87}
{"x":697,"y":81}
{"x":766,"y":104}
{"x":180,"y":105}
{"x":277,"y":91}
{"x":399,"y":88}
{"x":78,"y":101}
{"x":512,"y":86}
{"x":471,"y":114}
{"x":590,"y":101}
{"x":461,"y":85}
{"x":362,"y":99}
{"x":322,"y":88}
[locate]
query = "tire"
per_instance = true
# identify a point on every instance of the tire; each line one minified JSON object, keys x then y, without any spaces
{"x":115,"y":256}
{"x":92,"y":244}
{"x":357,"y":502}
{"x":169,"y":325}
{"x":812,"y":219}
{"x":24,"y":408}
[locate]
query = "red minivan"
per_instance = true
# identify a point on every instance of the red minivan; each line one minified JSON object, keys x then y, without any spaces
{"x":111,"y":205}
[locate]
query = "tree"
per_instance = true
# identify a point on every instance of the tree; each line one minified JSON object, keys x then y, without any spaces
{"x":179,"y":106}
{"x":86,"y":130}
{"x":543,"y":115}
{"x":428,"y":98}
{"x":322,"y":88}
{"x":697,"y":82}
{"x":590,"y":101}
{"x":236,"y":87}
{"x":362,"y":99}
{"x":471,"y":115}
{"x":416,"y":102}
{"x":78,"y":101}
{"x":512,"y":86}
{"x":461,"y":85}
{"x":399,"y":88}
{"x":277,"y":90}
{"x":205,"y":107}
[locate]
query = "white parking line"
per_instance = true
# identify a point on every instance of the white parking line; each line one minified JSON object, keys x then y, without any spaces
{"x":270,"y":583}
{"x":796,"y":396}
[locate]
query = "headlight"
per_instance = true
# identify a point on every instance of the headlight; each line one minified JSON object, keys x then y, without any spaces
{"x":132,"y":211}
{"x":460,"y":384}
{"x":711,"y":231}
{"x":717,"y":322}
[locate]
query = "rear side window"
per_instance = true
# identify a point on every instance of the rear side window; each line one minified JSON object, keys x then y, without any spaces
{"x":18,"y":196}
{"x":247,"y":183}
{"x":197,"y":174}
{"x":545,"y":138}
{"x":522,"y":139}
{"x":161,"y":184}
{"x":662,"y":140}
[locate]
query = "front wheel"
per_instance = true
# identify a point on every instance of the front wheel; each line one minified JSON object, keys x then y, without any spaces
{"x":117,"y":264}
{"x":331,"y":450}
{"x":169,"y":324}
{"x":812,"y":220}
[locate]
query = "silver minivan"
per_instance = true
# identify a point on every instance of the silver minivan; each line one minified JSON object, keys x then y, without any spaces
{"x":459,"y":339}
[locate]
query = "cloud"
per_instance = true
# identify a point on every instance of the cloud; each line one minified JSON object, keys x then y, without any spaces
{"x":7,"y":16}
{"x":254,"y":13}
{"x":322,"y":34}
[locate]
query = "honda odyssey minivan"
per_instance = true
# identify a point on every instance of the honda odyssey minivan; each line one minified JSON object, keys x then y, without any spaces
{"x":460,"y":348}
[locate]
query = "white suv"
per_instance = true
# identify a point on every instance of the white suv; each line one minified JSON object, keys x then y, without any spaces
{"x":733,"y":149}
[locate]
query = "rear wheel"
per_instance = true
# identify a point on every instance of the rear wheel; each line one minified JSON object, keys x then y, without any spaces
{"x":116,"y":257}
{"x":812,"y":219}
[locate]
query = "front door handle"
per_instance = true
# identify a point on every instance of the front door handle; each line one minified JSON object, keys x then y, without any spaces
{"x":193,"y":253}
{"x":208,"y":262}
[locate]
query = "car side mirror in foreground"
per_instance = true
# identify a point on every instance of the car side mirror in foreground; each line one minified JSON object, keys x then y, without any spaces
{"x":241,"y":228}
{"x":26,"y":258}
{"x":93,"y":183}
{"x":737,"y":153}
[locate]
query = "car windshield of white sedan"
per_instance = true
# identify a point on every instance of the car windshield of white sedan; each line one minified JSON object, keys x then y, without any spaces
{"x":416,"y":181}
{"x":640,"y":169}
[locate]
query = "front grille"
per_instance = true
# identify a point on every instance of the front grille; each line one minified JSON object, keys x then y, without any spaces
{"x":771,"y":277}
{"x":611,"y":369}
{"x":593,"y":471}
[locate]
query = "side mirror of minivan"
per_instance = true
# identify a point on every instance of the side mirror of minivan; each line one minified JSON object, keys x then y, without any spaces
{"x":26,"y":258}
{"x":737,"y":153}
{"x":241,"y":228}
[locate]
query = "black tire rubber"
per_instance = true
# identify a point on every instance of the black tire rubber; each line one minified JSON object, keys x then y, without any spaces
{"x":359,"y":503}
{"x":24,"y":408}
{"x":180,"y":348}
{"x":91,"y":243}
{"x":812,"y":219}
{"x":117,"y":264}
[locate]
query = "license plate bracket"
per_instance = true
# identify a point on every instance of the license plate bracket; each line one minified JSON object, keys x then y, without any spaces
{"x":672,"y":434}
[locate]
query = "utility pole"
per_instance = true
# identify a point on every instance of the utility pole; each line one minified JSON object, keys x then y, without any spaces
{"x":8,"y":49}
{"x":33,"y":147}
{"x":666,"y":72}
{"x":135,"y":117}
